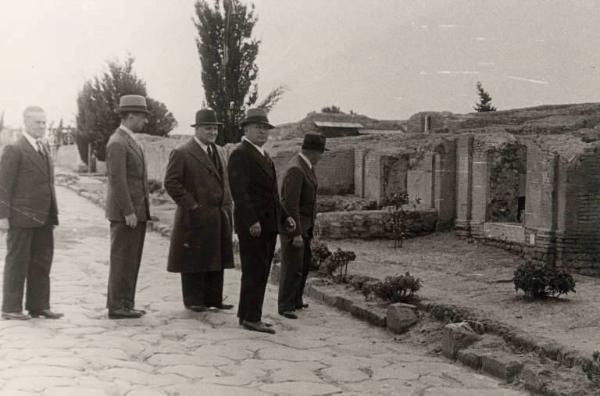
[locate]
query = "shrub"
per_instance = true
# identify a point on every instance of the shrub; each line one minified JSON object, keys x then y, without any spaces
{"x":540,"y":280}
{"x":320,"y":252}
{"x":395,"y":288}
{"x":337,"y":260}
{"x":396,"y":218}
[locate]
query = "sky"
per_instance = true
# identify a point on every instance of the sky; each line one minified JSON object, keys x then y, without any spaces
{"x":387,"y":59}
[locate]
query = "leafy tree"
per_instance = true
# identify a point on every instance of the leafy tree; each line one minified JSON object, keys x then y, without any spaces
{"x":98,"y":101}
{"x":331,"y":109}
{"x":228,"y":54}
{"x":485,"y":100}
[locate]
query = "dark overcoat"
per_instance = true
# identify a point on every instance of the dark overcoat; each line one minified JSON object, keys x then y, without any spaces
{"x":201,"y":239}
{"x":299,"y":195}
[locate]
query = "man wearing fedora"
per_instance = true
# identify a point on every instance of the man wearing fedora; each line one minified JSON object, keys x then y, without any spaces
{"x":258,"y":216}
{"x":127,"y":207}
{"x":299,"y":198}
{"x":201,"y":241}
{"x":29,"y":213}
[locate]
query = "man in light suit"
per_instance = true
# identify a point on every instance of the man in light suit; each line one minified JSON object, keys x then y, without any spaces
{"x":258,"y":216}
{"x":127,"y":207}
{"x":201,"y":241}
{"x":299,"y":198}
{"x":29,"y":213}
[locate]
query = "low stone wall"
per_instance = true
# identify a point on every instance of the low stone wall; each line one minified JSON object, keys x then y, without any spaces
{"x":337,"y":203}
{"x":369,"y":224}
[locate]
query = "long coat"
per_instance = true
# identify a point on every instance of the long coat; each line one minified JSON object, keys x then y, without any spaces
{"x":127,"y":191}
{"x":27,"y":195}
{"x":201,"y":239}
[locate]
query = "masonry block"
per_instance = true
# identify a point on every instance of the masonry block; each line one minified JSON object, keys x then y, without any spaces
{"x":400,"y":317}
{"x":501,"y":365}
{"x":457,"y":336}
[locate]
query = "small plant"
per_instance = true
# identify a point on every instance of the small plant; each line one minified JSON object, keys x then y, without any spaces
{"x":592,"y":370}
{"x":396,"y":288}
{"x":540,"y":280}
{"x":154,"y":185}
{"x":319,"y":253}
{"x":339,"y":260}
{"x":397,"y":216}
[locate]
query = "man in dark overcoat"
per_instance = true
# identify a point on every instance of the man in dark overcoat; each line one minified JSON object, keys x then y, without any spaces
{"x":127,"y":207}
{"x":299,"y":198}
{"x":201,"y":241}
{"x":258,"y":216}
{"x":29,"y":213}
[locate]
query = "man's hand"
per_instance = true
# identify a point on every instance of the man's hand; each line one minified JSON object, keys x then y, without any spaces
{"x":131,"y":220}
{"x":3,"y":225}
{"x":255,"y":230}
{"x":290,"y":224}
{"x":297,"y":242}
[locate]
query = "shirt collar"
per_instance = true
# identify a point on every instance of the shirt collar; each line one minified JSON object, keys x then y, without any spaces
{"x":128,"y":131}
{"x":202,"y":145}
{"x":31,"y":140}
{"x":305,"y":160}
{"x":260,"y":149}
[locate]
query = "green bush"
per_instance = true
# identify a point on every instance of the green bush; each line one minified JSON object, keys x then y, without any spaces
{"x":319,"y":253}
{"x":399,"y":288}
{"x":540,"y":280}
{"x":338,"y":260}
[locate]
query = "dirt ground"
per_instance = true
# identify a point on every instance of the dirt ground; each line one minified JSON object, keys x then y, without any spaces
{"x":479,"y":277}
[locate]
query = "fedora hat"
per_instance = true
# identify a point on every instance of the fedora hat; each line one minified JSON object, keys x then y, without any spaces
{"x":256,"y":116}
{"x":314,"y":142}
{"x":132,"y":104}
{"x":206,"y":116}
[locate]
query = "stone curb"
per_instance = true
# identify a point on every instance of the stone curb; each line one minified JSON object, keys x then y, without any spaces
{"x":502,"y":367}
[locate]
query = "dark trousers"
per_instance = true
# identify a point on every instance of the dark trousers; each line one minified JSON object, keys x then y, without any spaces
{"x":126,"y":246}
{"x":256,"y":255}
{"x":29,"y":256}
{"x":295,"y":263}
{"x":202,"y":288}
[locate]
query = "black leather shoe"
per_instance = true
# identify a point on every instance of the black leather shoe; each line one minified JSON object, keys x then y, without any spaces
{"x":124,"y":314}
{"x":198,"y":308}
{"x":15,"y":316}
{"x":267,"y":324}
{"x":288,"y":314}
{"x":46,"y":313}
{"x":222,"y":306}
{"x":143,"y":312}
{"x":302,"y":306}
{"x":257,"y":326}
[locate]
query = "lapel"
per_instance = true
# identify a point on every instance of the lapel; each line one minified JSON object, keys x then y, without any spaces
{"x":309,"y":172}
{"x":34,"y":156}
{"x":263,"y":160}
{"x":196,"y":151}
{"x":133,"y":145}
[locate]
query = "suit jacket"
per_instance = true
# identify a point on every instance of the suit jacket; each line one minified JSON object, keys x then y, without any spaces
{"x":299,"y":195}
{"x":127,"y":190}
{"x":202,"y":238}
{"x":254,"y":190}
{"x":27,"y":194}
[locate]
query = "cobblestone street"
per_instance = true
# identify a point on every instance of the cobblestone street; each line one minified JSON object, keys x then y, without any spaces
{"x":172,"y":351}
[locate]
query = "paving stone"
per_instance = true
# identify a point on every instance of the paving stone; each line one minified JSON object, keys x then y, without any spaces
{"x":36,"y":383}
{"x":300,"y":388}
{"x":171,"y":359}
{"x":367,"y":313}
{"x":194,"y":372}
{"x":342,"y":374}
{"x":74,"y":391}
{"x":38,"y":370}
{"x":203,"y":388}
{"x":400,"y":371}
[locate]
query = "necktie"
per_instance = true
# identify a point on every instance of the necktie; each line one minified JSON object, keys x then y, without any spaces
{"x":40,"y":148}
{"x":212,"y":155}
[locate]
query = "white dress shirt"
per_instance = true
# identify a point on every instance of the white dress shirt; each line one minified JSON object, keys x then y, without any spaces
{"x":33,"y":141}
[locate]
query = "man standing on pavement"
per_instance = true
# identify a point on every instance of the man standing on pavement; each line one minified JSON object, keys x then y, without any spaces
{"x":201,"y":241}
{"x":299,"y":198}
{"x":28,"y":211}
{"x":127,"y":207}
{"x":258,"y":216}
